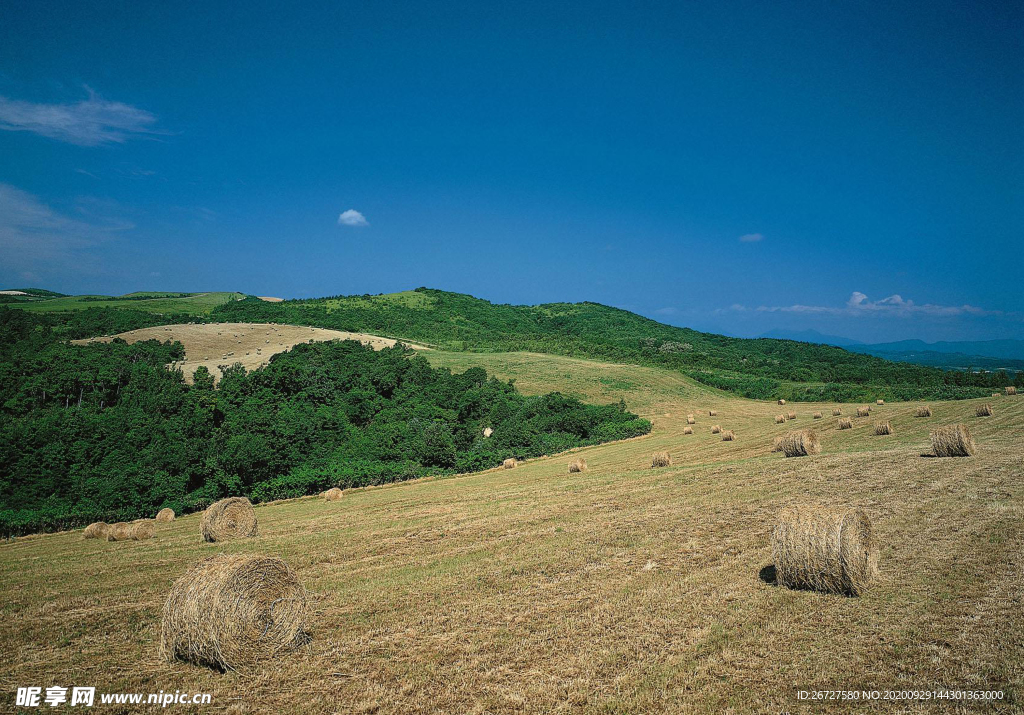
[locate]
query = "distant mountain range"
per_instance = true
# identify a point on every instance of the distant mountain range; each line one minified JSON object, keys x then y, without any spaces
{"x":979,"y":354}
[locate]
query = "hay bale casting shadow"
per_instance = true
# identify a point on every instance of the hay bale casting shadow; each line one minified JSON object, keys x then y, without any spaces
{"x":165,"y":515}
{"x":825,"y":549}
{"x":231,"y":611}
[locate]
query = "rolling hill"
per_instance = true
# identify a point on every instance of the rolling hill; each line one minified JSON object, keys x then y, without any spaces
{"x":755,"y":368}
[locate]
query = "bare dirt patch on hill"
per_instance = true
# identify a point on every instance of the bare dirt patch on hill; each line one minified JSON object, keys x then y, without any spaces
{"x":252,"y":344}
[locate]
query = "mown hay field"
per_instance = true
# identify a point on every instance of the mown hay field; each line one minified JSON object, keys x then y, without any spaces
{"x":215,"y":345}
{"x":622,"y":589}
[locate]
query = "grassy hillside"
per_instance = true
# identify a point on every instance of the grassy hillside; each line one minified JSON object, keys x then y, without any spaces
{"x":149,"y":301}
{"x":625,"y":589}
{"x":105,"y":431}
{"x":759,"y":368}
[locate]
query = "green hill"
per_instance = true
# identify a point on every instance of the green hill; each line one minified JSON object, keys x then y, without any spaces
{"x":160,"y":302}
{"x":756,"y":368}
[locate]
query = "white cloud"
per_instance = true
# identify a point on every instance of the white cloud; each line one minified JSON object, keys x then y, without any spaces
{"x":860,"y":305}
{"x":33,"y":234}
{"x":751,"y":238}
{"x":352,"y":218}
{"x":668,"y":310}
{"x":91,"y":122}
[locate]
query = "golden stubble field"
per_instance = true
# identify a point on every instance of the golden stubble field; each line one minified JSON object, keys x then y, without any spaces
{"x":215,"y":345}
{"x":621,"y":590}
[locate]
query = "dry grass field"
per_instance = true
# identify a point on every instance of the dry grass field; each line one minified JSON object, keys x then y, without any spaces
{"x":623,"y":589}
{"x":251,"y":344}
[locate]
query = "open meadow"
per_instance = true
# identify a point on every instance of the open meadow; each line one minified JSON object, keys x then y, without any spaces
{"x":214,"y":345}
{"x":623,"y":589}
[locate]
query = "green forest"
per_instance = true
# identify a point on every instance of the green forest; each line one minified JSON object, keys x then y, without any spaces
{"x":106,"y":432}
{"x":754,"y":368}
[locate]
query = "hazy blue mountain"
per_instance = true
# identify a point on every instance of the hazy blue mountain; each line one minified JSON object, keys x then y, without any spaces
{"x":810,"y":336}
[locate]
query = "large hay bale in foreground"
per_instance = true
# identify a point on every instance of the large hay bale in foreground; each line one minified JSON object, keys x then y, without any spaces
{"x":779,"y":419}
{"x":661,"y":459}
{"x":816,"y":415}
{"x":953,"y":441}
{"x":728,"y":436}
{"x":165,"y":515}
{"x":782,"y":402}
{"x":983,"y":411}
{"x":231,"y":518}
{"x":923,"y":412}
{"x":844,"y":423}
{"x":577,"y":465}
{"x":882,"y":428}
{"x":231,"y":611}
{"x":121,"y":531}
{"x":836,"y":412}
{"x":333,"y":494}
{"x":825,"y":549}
{"x":142,"y":530}
{"x":863,"y":411}
{"x":801,"y":444}
{"x":687,"y":429}
{"x":879,"y":402}
{"x":96,"y":530}
{"x":509,"y":463}
{"x":1011,"y":390}
{"x":716,"y":429}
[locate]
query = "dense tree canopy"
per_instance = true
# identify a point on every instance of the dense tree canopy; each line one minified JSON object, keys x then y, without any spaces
{"x":106,"y":431}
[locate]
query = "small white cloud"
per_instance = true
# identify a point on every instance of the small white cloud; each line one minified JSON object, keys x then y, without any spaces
{"x":751,"y":238}
{"x":668,"y":310}
{"x":859,"y":304}
{"x":352,"y":218}
{"x":91,"y":122}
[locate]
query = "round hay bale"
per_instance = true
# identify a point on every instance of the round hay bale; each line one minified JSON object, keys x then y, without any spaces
{"x":661,"y":459}
{"x":997,"y":394}
{"x":825,"y":549}
{"x":1011,"y":390}
{"x":687,"y":429}
{"x":231,"y":518}
{"x":577,"y":465}
{"x":142,"y":530}
{"x":96,"y":530}
{"x":923,"y":412}
{"x":690,"y":420}
{"x":953,"y":441}
{"x":836,"y":412}
{"x":716,"y":429}
{"x":712,"y":413}
{"x":983,"y":411}
{"x":121,"y":531}
{"x":817,"y":415}
{"x":728,"y":436}
{"x":510,"y":463}
{"x":791,"y":416}
{"x":780,"y":419}
{"x":333,"y":494}
{"x":231,"y":611}
{"x":488,"y":432}
{"x":883,"y":428}
{"x":782,"y":402}
{"x":863,"y":411}
{"x":801,"y":444}
{"x":844,"y":423}
{"x":879,"y":402}
{"x":165,"y":515}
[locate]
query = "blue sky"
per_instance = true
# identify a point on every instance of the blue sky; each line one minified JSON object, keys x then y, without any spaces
{"x":731,"y":166}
